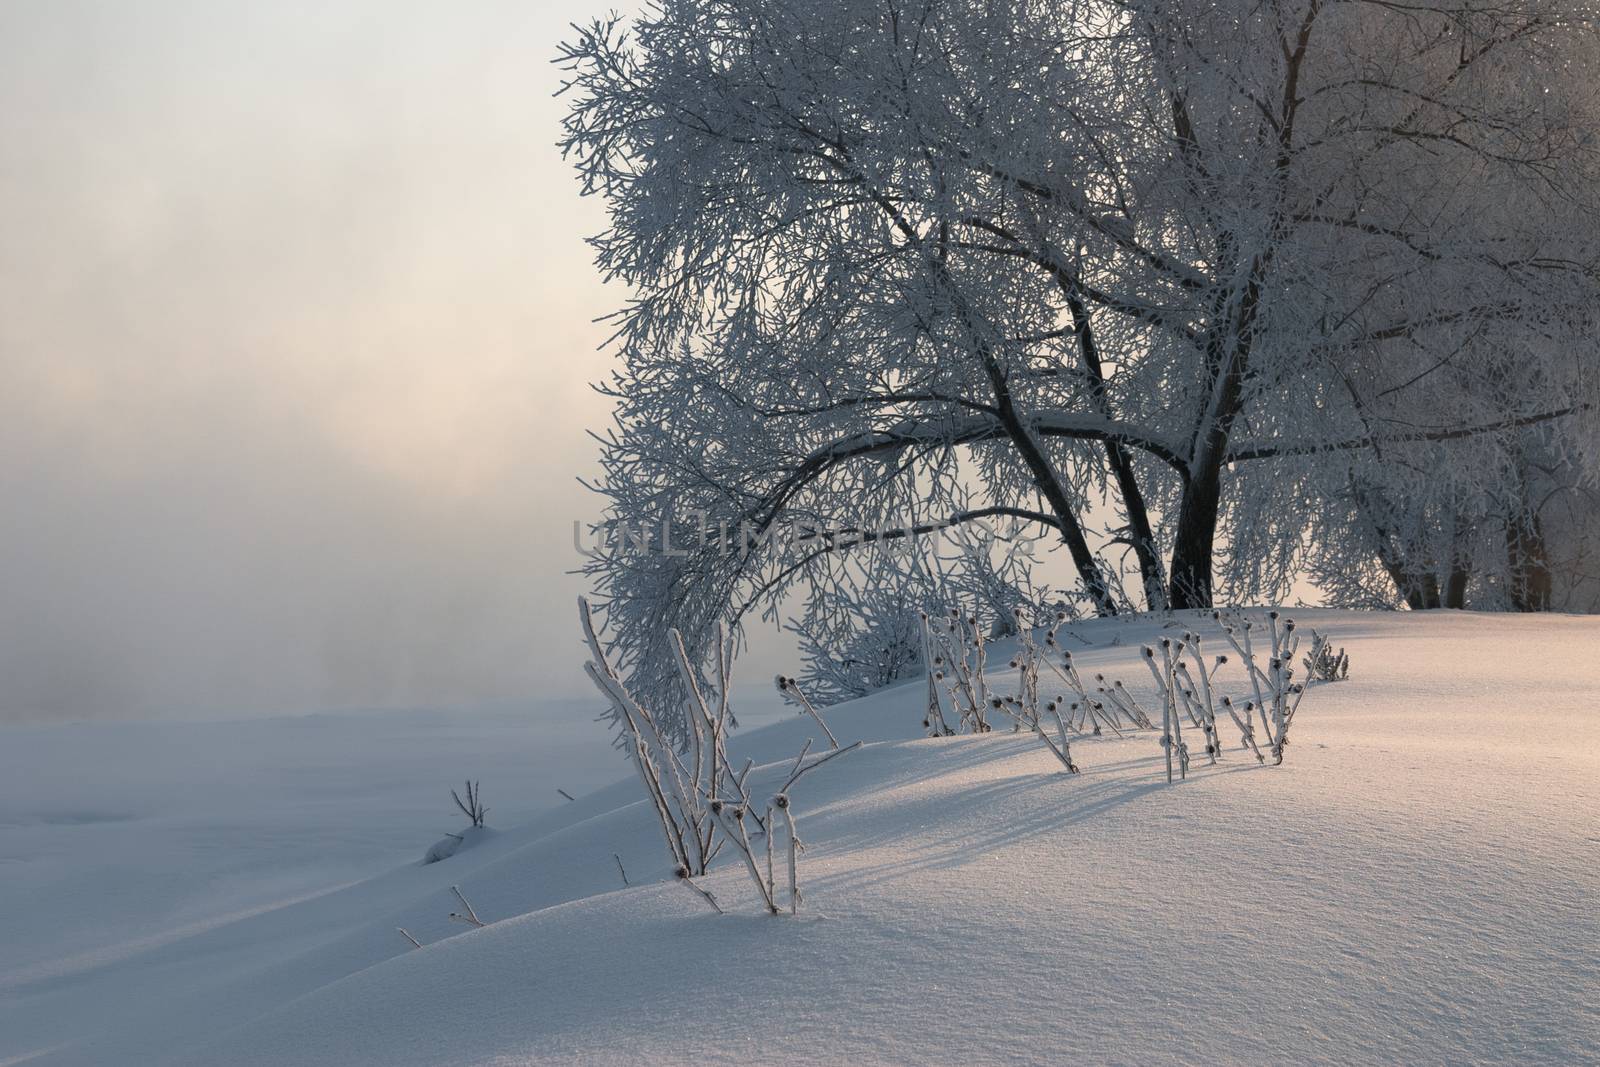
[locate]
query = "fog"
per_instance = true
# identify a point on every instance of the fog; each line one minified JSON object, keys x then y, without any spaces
{"x":295,"y":344}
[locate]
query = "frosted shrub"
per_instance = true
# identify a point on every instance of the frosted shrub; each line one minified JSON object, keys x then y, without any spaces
{"x":1193,"y":695}
{"x":1186,"y":681}
{"x":957,"y":655}
{"x":700,"y":801}
{"x":472,"y":807}
{"x":1323,"y":664}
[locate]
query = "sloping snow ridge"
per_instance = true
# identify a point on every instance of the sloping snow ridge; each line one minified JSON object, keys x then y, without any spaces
{"x":1418,"y":883}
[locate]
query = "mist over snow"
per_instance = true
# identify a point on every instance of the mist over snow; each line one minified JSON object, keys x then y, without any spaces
{"x":295,"y":346}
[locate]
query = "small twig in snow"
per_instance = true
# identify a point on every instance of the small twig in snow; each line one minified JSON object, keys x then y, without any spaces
{"x":471,"y":917}
{"x":814,"y":764}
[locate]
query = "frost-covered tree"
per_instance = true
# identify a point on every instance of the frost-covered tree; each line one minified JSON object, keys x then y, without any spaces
{"x":862,"y":629}
{"x":1509,"y":525}
{"x":1071,"y":257}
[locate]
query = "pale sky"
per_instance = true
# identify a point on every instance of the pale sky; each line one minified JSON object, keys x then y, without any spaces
{"x":295,"y":344}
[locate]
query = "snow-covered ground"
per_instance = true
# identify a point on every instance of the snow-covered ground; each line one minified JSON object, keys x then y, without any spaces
{"x":1418,"y":883}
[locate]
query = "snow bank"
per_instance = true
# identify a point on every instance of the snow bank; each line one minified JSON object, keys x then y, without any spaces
{"x":1415,"y":884}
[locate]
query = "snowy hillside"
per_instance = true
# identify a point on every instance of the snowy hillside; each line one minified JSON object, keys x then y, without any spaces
{"x":1417,"y":883}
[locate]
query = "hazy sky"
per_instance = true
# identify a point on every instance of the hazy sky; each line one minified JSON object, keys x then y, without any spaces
{"x":295,"y":346}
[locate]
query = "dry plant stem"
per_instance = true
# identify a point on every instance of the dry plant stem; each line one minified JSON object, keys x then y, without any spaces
{"x":679,"y":793}
{"x":471,"y":917}
{"x":1247,"y":651}
{"x":798,"y":760}
{"x":1243,"y":650}
{"x":704,"y":749}
{"x":407,"y":935}
{"x":1300,"y":694}
{"x":981,"y":655}
{"x":647,"y":746}
{"x":956,"y":652}
{"x":814,"y":764}
{"x":687,"y":796}
{"x":1108,"y":717}
{"x":731,"y":819}
{"x":647,"y":773}
{"x":1204,"y":709}
{"x":1164,"y":686}
{"x":1142,"y":717}
{"x":701,"y":803}
{"x":1168,"y":654}
{"x":1246,"y":728}
{"x":772,"y":888}
{"x":1210,"y":693}
{"x":789,"y":687}
{"x":782,"y":802}
{"x":937,"y":726}
{"x":702,"y":893}
{"x":1275,"y":673}
{"x":473,"y":808}
{"x":1064,"y":752}
{"x":1277,"y":682}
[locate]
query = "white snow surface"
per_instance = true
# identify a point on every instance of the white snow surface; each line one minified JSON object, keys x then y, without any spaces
{"x":1418,"y":883}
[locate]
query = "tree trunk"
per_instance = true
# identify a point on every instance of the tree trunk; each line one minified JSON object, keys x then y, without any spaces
{"x":1033,"y":457}
{"x":1228,"y":356}
{"x":1196,"y":533}
{"x":1529,"y":583}
{"x":1193,"y":540}
{"x":1140,"y":535}
{"x":1049,"y":485}
{"x":1455,"y":588}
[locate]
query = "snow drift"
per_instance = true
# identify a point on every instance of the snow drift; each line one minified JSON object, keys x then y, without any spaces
{"x":1416,"y":883}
